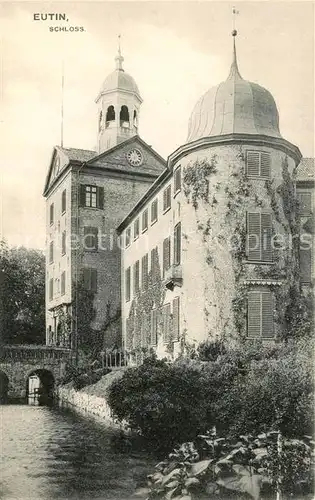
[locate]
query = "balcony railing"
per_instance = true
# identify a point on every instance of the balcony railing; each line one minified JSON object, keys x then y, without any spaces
{"x":115,"y":359}
{"x":31,"y":352}
{"x":173,"y":277}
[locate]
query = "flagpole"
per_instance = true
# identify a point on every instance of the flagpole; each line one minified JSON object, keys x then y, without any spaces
{"x":62,"y":103}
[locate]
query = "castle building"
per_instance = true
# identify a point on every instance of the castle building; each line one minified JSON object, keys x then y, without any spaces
{"x":213,"y":248}
{"x":88,"y":193}
{"x":214,"y":243}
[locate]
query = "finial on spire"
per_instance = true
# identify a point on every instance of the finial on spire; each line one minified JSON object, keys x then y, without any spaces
{"x":234,"y":71}
{"x":119,"y":58}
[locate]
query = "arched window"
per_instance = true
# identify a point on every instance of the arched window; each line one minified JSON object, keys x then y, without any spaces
{"x":124,"y":116}
{"x":110,"y":114}
{"x":135,"y":119}
{"x":100,"y":121}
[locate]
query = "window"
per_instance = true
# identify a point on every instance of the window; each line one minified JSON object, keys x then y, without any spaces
{"x":166,"y":254}
{"x":51,"y":289}
{"x":63,"y":242}
{"x":136,"y":229}
{"x":91,"y":196}
{"x":136,"y":277}
{"x":128,"y":236}
{"x":90,"y":238}
{"x":51,"y":252}
{"x":145,"y":220}
{"x":167,"y":193}
{"x":177,"y":244}
{"x":305,"y":203}
{"x":124,"y":115}
{"x":166,"y":322}
{"x":51,"y":214}
{"x":258,"y":164}
{"x":144,"y":271}
{"x":63,"y":201}
{"x":259,"y":234}
{"x":110,"y":114}
{"x":154,"y":264}
{"x":177,"y":180}
{"x":90,"y":279}
{"x":127,"y":283}
{"x":153,"y":327}
{"x":154,"y":211}
{"x":63,"y":282}
{"x":260,"y":314}
{"x":305,"y":265}
{"x":176,"y":319}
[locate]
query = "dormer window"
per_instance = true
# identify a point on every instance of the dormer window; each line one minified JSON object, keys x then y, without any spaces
{"x":124,"y":117}
{"x":110,"y":115}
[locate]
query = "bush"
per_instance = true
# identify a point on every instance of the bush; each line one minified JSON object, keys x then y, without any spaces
{"x":162,"y":401}
{"x":82,"y":376}
{"x":248,"y":389}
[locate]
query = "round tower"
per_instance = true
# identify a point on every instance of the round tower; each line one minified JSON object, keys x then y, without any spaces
{"x":119,"y":104}
{"x":240,"y":230}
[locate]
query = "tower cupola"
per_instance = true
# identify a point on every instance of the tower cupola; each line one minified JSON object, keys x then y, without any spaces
{"x":119,"y":104}
{"x":235,"y":106}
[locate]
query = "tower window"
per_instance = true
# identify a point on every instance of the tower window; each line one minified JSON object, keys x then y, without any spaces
{"x":124,"y":116}
{"x":110,"y":115}
{"x":135,"y":119}
{"x":258,"y":164}
{"x":260,"y":314}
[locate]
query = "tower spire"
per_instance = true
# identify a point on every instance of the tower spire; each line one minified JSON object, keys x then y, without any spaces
{"x":234,"y":71}
{"x":119,"y":58}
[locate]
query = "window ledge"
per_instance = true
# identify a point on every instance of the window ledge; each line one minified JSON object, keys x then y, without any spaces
{"x":136,"y":238}
{"x":144,"y":230}
{"x":176,"y":193}
{"x":173,"y":277}
{"x":63,"y":213}
{"x":153,"y":222}
{"x":167,"y":210}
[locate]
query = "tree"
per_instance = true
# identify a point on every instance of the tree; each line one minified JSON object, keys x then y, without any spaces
{"x":22,"y":295}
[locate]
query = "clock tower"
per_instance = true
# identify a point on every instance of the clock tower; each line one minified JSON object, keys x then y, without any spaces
{"x":118,"y":104}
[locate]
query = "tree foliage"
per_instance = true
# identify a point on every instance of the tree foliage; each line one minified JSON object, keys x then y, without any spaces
{"x":22,"y":295}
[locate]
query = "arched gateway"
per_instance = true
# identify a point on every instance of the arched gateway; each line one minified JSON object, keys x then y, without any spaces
{"x":19,"y":363}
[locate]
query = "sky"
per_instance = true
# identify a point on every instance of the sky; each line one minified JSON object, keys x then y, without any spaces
{"x":174,"y":50}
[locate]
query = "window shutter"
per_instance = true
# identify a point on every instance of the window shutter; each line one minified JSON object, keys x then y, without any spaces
{"x":254,"y":314}
{"x":86,"y":278}
{"x":63,"y":283}
{"x":166,"y":323}
{"x":164,"y":199}
{"x":266,"y":235}
{"x":177,"y":244}
{"x":177,"y":180}
{"x":176,"y":318}
{"x":265,"y":164}
{"x":305,"y":265}
{"x":144,"y":272}
{"x":166,"y":254}
{"x":82,"y":195}
{"x":63,"y":201}
{"x":153,"y":327}
{"x":63,"y":243}
{"x":267,"y":330}
{"x":253,"y":236}
{"x":93,"y":280}
{"x":253,"y":163}
{"x":100,"y":197}
{"x":305,"y":203}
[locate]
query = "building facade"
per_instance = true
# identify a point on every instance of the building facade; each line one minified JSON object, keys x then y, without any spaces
{"x":212,"y":250}
{"x":87,"y":194}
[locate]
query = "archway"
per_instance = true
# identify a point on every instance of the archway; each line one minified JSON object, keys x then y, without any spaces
{"x":4,"y":386}
{"x":40,"y":387}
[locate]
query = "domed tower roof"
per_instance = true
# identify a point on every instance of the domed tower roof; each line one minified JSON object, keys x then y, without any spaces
{"x":235,"y":106}
{"x":119,"y":80}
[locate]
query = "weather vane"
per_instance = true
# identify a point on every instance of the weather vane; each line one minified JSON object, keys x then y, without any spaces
{"x":235,"y":13}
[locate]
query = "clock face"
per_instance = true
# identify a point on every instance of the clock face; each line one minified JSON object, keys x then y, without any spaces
{"x":135,"y":158}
